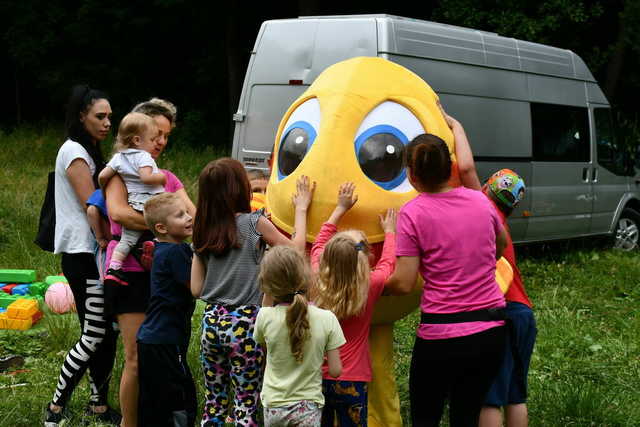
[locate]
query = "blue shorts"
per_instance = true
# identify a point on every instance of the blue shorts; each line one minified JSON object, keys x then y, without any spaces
{"x":510,"y":386}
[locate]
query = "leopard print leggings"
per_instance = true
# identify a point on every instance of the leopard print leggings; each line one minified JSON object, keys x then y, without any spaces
{"x":231,"y":357}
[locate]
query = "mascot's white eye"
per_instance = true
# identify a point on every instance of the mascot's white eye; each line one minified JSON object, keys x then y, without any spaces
{"x":381,"y":143}
{"x":299,"y":133}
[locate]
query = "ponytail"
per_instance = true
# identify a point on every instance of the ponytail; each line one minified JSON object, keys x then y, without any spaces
{"x":298,"y":325}
{"x":429,"y":160}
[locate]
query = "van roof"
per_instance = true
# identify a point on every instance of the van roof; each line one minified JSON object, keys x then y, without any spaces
{"x":399,"y":35}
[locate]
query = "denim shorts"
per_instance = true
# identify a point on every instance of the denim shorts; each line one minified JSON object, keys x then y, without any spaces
{"x":510,"y":386}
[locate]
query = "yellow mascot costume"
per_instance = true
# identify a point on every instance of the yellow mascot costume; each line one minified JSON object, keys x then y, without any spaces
{"x":353,"y":124}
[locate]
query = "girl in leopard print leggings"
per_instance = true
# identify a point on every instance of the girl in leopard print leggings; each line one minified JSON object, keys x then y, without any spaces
{"x":229,"y":241}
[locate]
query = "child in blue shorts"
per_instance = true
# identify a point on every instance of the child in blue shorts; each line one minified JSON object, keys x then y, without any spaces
{"x":167,"y":391}
{"x":505,"y":189}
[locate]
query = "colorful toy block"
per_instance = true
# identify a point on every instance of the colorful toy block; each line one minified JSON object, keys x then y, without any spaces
{"x":19,"y":324}
{"x":22,"y":309}
{"x":21,"y":290}
{"x":6,"y":299}
{"x":38,"y":298}
{"x":38,"y":288}
{"x":21,"y":315}
{"x":50,"y":280}
{"x":17,"y":276}
{"x":8,"y":288}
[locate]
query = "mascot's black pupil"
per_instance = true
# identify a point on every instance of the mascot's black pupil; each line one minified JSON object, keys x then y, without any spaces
{"x":381,"y":157}
{"x":292,"y":150}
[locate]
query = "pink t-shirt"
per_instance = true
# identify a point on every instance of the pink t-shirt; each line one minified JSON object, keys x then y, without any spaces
{"x":454,"y":234}
{"x":172,"y":185}
{"x":354,"y":355}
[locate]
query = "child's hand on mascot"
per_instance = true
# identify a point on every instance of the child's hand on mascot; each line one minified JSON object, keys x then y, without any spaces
{"x":346,"y":198}
{"x":388,"y":221}
{"x":304,"y":193}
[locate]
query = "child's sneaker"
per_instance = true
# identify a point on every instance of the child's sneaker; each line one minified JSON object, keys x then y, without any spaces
{"x":51,"y":419}
{"x":146,"y":259}
{"x":115,"y":277}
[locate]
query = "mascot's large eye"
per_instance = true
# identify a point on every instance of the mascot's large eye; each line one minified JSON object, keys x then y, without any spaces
{"x":380,"y":145}
{"x":299,"y":133}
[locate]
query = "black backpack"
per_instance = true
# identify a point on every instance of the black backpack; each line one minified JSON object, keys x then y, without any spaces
{"x":47,"y":223}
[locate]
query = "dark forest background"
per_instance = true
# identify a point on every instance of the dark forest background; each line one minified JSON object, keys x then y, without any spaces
{"x":195,"y":53}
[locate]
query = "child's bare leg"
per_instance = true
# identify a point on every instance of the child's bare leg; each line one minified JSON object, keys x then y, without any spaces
{"x":490,"y":416}
{"x":517,"y":415}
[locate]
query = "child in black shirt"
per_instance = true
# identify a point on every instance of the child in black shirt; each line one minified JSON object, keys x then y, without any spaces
{"x":167,"y":391}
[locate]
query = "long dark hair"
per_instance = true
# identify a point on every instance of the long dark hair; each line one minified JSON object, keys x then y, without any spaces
{"x":429,"y":160}
{"x":223,"y":191}
{"x":80,"y":101}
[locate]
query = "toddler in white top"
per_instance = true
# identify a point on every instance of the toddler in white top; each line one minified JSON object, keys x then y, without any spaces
{"x":133,"y":162}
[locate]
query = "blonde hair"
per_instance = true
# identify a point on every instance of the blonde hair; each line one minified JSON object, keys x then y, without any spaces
{"x":284,"y":275}
{"x":133,"y":124}
{"x":158,"y":208}
{"x":343,"y":277}
{"x":158,"y":107}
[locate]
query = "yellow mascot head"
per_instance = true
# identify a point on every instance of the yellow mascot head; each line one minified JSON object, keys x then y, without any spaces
{"x":353,"y":124}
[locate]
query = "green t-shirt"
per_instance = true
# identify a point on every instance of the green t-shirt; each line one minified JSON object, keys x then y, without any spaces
{"x":285,"y":380}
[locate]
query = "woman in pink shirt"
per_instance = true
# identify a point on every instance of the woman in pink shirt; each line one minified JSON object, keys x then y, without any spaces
{"x":129,"y":303}
{"x":349,"y":288}
{"x":452,"y":237}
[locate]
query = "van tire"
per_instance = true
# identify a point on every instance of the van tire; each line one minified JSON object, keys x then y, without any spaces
{"x":627,"y":232}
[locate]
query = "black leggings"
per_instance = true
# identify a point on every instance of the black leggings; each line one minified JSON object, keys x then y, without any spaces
{"x":460,"y":369}
{"x":96,"y":348}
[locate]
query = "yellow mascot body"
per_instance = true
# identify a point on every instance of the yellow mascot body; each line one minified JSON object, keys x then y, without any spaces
{"x":353,"y":124}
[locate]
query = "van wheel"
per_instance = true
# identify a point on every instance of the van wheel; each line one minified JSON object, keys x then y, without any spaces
{"x":627,"y":230}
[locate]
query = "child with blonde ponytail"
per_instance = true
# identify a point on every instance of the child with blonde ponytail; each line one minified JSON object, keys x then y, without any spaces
{"x":349,"y":287}
{"x":297,"y":336}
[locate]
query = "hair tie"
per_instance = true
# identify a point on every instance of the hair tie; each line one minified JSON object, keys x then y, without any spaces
{"x":292,"y":295}
{"x":359,"y":246}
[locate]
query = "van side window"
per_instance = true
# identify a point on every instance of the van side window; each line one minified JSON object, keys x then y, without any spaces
{"x":610,"y":154}
{"x":560,"y":133}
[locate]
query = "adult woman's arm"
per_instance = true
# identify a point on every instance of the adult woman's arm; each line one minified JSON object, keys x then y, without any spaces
{"x":464,"y":155}
{"x":198,"y":271}
{"x":191,"y":208}
{"x":79,"y":176}
{"x":403,"y":278}
{"x":118,"y":208}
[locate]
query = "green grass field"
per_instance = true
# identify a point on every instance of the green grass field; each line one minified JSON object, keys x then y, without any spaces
{"x":585,"y":369}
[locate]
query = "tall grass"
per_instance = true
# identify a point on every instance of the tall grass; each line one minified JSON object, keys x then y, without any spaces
{"x":585,"y":369}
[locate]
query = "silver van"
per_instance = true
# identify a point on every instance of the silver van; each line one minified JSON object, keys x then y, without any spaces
{"x":532,"y":108}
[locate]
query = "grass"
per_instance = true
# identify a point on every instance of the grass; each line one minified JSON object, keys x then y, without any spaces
{"x":585,"y":369}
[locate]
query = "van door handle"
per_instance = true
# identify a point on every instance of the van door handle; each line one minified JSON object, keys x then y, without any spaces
{"x":585,"y":174}
{"x":594,"y":175}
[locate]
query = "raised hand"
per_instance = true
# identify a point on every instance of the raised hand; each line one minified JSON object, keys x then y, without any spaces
{"x":389,"y":220}
{"x":451,"y":122}
{"x":304,"y":193}
{"x":346,"y":198}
